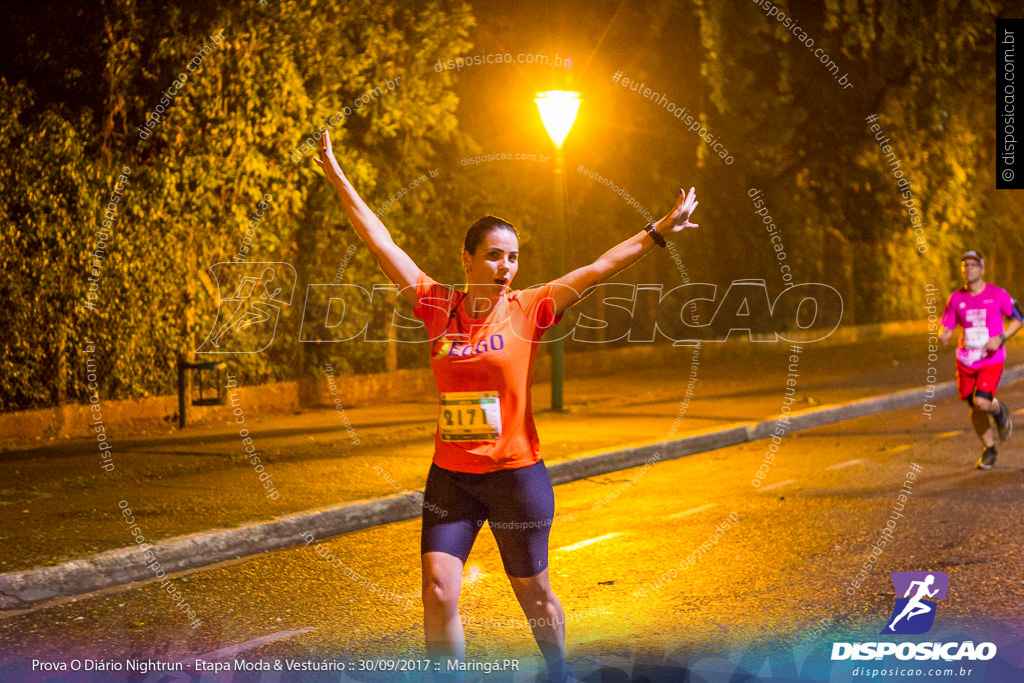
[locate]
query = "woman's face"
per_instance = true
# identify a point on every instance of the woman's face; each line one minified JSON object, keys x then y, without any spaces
{"x":495,"y":261}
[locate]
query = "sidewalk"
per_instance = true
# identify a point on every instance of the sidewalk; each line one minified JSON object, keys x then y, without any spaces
{"x":57,"y":504}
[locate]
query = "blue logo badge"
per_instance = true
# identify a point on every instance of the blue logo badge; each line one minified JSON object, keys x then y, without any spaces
{"x":914,"y":613}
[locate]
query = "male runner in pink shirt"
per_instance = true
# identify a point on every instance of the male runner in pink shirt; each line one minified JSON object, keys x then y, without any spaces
{"x":979,"y":308}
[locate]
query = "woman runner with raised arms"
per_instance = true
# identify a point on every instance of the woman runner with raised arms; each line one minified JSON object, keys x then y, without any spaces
{"x":487,"y":463}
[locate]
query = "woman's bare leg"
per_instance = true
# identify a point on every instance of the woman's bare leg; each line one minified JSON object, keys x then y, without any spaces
{"x":546,"y":619}
{"x":442,"y":584}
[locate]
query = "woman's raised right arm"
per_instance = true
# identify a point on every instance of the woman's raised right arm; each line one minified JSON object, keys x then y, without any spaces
{"x":395,"y":263}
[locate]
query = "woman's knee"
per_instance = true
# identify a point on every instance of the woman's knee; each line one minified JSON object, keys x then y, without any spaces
{"x":437,"y":595}
{"x":442,"y":583}
{"x":535,"y":589}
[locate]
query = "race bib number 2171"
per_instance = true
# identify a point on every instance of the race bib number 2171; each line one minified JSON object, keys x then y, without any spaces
{"x":469,"y":416}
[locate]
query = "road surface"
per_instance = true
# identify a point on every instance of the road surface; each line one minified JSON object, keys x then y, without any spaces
{"x":629,"y":566}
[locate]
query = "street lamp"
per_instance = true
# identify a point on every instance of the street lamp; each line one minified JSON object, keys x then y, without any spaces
{"x":558,"y":109}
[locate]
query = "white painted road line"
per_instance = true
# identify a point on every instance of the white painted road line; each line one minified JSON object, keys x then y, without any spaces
{"x":779,"y":485}
{"x":235,"y":650}
{"x":582,"y":544}
{"x":690,"y":512}
{"x":849,"y":463}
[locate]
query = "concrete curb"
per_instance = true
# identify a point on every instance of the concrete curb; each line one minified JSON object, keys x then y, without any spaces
{"x":126,"y":565}
{"x":19,"y":590}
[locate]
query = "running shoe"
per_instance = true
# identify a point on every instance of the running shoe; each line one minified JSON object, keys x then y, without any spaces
{"x":1003,"y":422}
{"x":987,"y":459}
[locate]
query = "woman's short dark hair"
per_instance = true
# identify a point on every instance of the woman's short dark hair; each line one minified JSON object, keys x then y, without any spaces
{"x":484,"y":227}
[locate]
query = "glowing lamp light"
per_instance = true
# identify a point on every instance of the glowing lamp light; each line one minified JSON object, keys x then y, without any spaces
{"x":558,"y":109}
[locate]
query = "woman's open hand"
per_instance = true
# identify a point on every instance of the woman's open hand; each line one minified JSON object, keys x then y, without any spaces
{"x":329,"y":165}
{"x":678,"y":219}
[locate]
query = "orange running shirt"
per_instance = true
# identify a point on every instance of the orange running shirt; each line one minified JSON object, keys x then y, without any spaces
{"x":485,"y":356}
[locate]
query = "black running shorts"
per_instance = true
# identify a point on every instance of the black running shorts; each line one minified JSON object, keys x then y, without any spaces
{"x":519,"y":506}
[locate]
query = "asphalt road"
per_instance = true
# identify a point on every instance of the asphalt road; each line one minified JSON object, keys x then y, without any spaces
{"x":56,"y":504}
{"x":770,"y":592}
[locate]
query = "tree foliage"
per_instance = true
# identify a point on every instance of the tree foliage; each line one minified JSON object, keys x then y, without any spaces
{"x":237,"y":90}
{"x":253,"y":84}
{"x":806,"y":142}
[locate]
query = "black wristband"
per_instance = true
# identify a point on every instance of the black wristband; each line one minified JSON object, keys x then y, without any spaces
{"x":655,"y":235}
{"x":1002,"y":336}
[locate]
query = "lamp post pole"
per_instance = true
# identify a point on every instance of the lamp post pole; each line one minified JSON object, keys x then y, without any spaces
{"x":558,"y":347}
{"x":558,"y":109}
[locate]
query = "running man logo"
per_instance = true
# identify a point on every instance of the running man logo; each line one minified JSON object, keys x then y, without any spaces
{"x":247,"y":319}
{"x":913,"y":614}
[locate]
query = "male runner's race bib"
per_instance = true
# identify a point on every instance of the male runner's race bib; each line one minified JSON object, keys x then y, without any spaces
{"x":469,"y":416}
{"x":975,"y":337}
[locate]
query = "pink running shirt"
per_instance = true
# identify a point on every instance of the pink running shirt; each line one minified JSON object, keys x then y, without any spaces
{"x":981,"y":317}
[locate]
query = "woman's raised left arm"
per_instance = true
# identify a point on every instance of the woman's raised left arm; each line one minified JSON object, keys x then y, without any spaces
{"x":575,"y":284}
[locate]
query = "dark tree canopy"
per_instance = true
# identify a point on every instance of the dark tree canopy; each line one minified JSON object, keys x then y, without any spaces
{"x":232,"y":94}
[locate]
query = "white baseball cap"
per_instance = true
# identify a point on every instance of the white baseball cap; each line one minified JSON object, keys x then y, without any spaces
{"x":972,"y":254}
